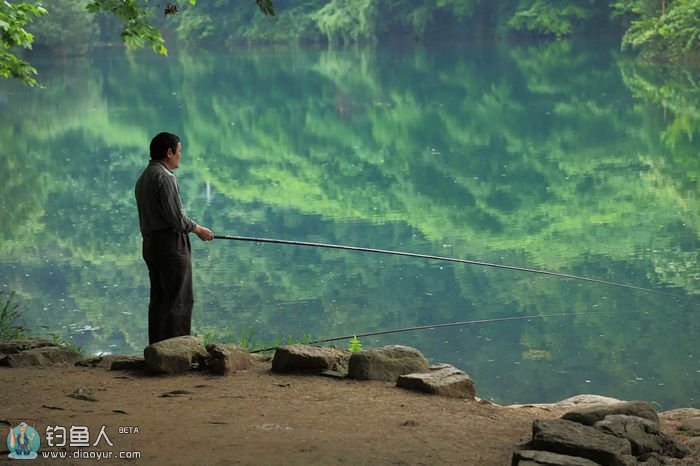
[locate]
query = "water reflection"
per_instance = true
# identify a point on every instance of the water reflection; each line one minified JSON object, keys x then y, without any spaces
{"x":534,"y":157}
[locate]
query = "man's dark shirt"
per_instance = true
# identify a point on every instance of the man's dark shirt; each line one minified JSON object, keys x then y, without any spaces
{"x":158,"y":201}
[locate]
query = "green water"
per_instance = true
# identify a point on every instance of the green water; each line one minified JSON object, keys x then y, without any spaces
{"x":552,"y":157}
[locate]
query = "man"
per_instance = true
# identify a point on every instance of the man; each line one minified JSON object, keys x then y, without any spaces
{"x":166,"y":244}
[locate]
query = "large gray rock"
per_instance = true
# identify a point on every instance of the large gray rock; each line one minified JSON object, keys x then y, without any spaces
{"x":643,"y":435}
{"x":547,"y":458}
{"x":225,"y":358}
{"x":175,"y":355}
{"x":43,"y":356}
{"x":386,"y":363}
{"x":310,"y":359}
{"x":442,"y":379}
{"x":578,"y":440}
{"x":593,"y":414}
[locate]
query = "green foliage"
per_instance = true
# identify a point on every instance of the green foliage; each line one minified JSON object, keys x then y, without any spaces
{"x":10,"y":328}
{"x":672,"y":36}
{"x":14,"y":17}
{"x":659,"y":30}
{"x":550,"y":17}
{"x":67,"y":29}
{"x":348,"y":21}
{"x":355,"y":345}
{"x":137,"y":27}
{"x":70,"y":31}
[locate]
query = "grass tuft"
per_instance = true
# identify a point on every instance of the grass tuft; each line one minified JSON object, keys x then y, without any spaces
{"x":11,"y":323}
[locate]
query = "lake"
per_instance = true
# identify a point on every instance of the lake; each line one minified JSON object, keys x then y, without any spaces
{"x":554,"y":157}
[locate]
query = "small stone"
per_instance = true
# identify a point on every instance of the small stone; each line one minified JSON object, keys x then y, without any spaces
{"x":444,"y":380}
{"x":43,"y":356}
{"x":547,"y":458}
{"x":225,"y":358}
{"x":386,"y":363}
{"x":309,"y":359}
{"x":590,"y":415}
{"x":17,"y":346}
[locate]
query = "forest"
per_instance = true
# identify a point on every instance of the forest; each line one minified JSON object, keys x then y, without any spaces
{"x":658,"y":30}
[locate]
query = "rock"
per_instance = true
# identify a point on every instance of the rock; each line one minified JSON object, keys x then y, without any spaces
{"x":310,"y":359}
{"x":546,"y":458}
{"x":593,"y":414}
{"x":654,"y":459}
{"x":578,"y":401}
{"x":114,"y":362}
{"x":578,"y":440}
{"x":225,"y":358}
{"x":175,"y":355}
{"x":684,"y":422}
{"x":17,"y":346}
{"x":694,"y":445}
{"x":43,"y":356}
{"x":127,"y":363}
{"x":643,"y":435}
{"x":690,"y":425}
{"x":386,"y":363}
{"x":445,"y":380}
{"x":680,"y":414}
{"x":585,"y":401}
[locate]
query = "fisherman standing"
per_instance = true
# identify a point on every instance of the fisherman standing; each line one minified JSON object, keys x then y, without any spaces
{"x":166,"y":244}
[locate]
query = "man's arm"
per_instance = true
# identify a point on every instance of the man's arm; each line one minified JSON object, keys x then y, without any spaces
{"x":205,"y":234}
{"x":172,"y":209}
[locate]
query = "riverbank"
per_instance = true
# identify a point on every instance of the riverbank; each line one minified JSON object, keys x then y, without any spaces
{"x":257,"y":417}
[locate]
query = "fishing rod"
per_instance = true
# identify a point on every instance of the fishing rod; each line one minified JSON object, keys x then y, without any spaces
{"x":430,"y":327}
{"x":441,"y":258}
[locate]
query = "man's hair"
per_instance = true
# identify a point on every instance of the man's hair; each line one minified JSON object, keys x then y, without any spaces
{"x":161,"y":143}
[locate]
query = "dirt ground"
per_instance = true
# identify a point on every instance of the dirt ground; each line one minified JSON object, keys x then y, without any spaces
{"x":255,"y":417}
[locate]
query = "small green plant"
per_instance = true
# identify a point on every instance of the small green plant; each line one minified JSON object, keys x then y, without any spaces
{"x":355,"y":345}
{"x":10,"y":328}
{"x":208,"y":338}
{"x":58,"y":341}
{"x":245,"y":338}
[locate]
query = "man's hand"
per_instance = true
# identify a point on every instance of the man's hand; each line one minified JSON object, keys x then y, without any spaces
{"x":205,"y":234}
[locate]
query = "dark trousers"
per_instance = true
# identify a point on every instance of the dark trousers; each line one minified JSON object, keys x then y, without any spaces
{"x":168,"y":255}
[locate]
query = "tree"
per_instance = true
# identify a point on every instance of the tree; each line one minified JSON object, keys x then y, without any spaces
{"x":664,"y":30}
{"x":68,"y":29}
{"x":13,"y":19}
{"x":137,"y":29}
